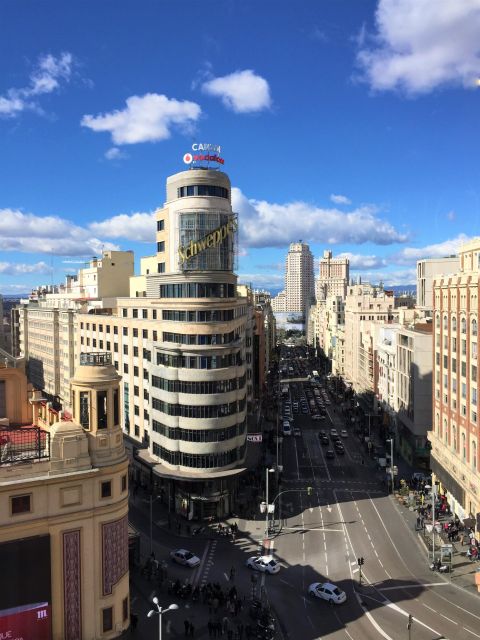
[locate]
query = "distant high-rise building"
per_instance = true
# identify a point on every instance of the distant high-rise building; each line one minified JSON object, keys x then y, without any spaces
{"x":427,"y":270}
{"x":333,"y":278}
{"x":299,"y":281}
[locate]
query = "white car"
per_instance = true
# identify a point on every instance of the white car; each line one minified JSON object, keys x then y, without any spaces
{"x":327,"y":591}
{"x":333,"y":432}
{"x":344,"y":433}
{"x":264,"y":564}
{"x":187,"y":558}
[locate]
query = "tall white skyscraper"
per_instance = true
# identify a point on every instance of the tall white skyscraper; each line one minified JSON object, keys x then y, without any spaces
{"x":299,"y":280}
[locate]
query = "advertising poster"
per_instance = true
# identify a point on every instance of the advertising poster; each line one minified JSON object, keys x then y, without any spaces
{"x":25,"y":589}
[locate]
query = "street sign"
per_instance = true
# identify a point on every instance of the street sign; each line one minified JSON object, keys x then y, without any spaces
{"x":254,"y":437}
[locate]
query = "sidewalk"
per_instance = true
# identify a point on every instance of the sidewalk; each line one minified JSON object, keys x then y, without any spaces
{"x":463,"y":570}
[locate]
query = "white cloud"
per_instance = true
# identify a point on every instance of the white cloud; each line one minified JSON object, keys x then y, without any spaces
{"x":45,"y":78}
{"x":28,"y":233}
{"x":147,"y":118}
{"x":114,"y":153}
{"x":19,"y":268}
{"x":241,"y":91}
{"x":410,"y":255}
{"x":265,"y":224}
{"x":360,"y":262}
{"x":338,"y":199}
{"x":389,"y":278}
{"x":266,"y":281}
{"x":136,"y":226}
{"x":12,"y":289}
{"x":422,"y":44}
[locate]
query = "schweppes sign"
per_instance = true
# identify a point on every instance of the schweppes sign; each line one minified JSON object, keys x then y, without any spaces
{"x":212,"y":239}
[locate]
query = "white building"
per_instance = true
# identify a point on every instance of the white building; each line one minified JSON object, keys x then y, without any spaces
{"x":299,"y":281}
{"x":333,"y":276}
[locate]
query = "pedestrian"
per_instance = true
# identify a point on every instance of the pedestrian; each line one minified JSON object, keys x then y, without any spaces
{"x":191,"y":630}
{"x":133,"y":622}
{"x":225,"y":625}
{"x":186,"y":624}
{"x":168,"y":627}
{"x":232,"y":574}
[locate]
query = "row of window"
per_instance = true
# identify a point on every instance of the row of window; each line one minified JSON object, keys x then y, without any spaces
{"x":197,"y":290}
{"x":23,"y":503}
{"x":199,"y":461}
{"x":202,"y":190}
{"x":200,"y":387}
{"x":210,"y":315}
{"x":199,"y":339}
{"x":199,"y":362}
{"x":199,"y":411}
{"x":463,"y":324}
{"x":199,"y":435}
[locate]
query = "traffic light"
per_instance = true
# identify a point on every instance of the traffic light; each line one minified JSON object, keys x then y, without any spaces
{"x":309,"y":491}
{"x":360,"y":562}
{"x":410,"y":621}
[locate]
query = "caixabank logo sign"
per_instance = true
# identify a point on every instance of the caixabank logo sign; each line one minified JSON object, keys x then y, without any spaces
{"x":204,"y":153}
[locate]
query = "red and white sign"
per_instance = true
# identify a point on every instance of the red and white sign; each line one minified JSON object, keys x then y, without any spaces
{"x":188,"y":158}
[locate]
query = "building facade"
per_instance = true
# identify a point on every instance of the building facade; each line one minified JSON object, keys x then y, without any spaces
{"x":64,"y":517}
{"x":333,"y":277}
{"x":455,"y":437}
{"x":184,"y":346}
{"x":427,"y":270}
{"x":299,"y":281}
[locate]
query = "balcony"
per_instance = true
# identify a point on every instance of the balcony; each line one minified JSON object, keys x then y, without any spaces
{"x":24,"y":444}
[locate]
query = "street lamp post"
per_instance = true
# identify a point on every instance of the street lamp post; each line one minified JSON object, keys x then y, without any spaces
{"x":159,"y":612}
{"x":391,"y":463}
{"x":267,"y":509}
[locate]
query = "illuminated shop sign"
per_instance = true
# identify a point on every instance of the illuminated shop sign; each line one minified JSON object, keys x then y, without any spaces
{"x":204,"y":152}
{"x":212,"y":239}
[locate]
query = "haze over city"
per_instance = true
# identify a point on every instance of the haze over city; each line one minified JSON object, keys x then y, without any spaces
{"x":348,"y":125}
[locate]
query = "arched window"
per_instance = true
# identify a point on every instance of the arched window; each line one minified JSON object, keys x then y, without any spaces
{"x":463,"y":325}
{"x":474,"y":327}
{"x":454,"y":443}
{"x":464,"y":448}
{"x":445,"y":430}
{"x":445,"y":322}
{"x":437,"y":424}
{"x":474,"y":454}
{"x":454,"y":323}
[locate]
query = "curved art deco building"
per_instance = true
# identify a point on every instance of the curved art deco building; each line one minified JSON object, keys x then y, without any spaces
{"x":197,"y":368}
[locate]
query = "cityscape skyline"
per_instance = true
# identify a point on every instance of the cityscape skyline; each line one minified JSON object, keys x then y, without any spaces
{"x":92,"y":126}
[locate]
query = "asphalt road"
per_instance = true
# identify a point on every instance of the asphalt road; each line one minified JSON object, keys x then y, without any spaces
{"x":348,"y":516}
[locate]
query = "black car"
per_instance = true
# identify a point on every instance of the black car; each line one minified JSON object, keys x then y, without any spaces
{"x":324,"y":440}
{"x":322,"y":432}
{"x":330,"y":454}
{"x":339,"y":448}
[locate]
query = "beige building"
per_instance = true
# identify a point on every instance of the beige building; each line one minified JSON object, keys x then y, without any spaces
{"x":299,"y":281}
{"x":455,"y":437}
{"x":333,"y":276}
{"x":365,"y":306}
{"x":183,"y":343}
{"x":427,"y":270}
{"x":404,"y":383}
{"x":47,"y":322}
{"x":64,"y":515}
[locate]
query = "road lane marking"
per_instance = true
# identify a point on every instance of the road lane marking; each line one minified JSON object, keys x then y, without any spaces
{"x":416,"y":584}
{"x":472,"y":632}
{"x":449,"y":619}
{"x":202,"y":562}
{"x":426,"y":605}
{"x":395,"y":607}
{"x":311,"y":529}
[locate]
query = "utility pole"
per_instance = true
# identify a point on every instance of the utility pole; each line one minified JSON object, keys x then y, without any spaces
{"x":409,"y":626}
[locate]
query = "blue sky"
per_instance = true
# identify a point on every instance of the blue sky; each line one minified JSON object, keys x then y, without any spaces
{"x":349,"y":124}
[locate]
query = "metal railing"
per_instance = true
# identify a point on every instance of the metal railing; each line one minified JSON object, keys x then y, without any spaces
{"x":24,"y":444}
{"x":96,"y":359}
